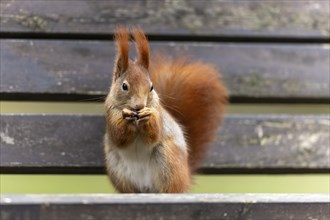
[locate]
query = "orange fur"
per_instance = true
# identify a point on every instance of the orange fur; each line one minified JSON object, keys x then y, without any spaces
{"x":180,"y":176}
{"x":151,"y":129}
{"x":142,"y":47}
{"x":176,"y":176}
{"x":194,"y":94}
{"x":121,"y":132}
{"x":122,"y":40}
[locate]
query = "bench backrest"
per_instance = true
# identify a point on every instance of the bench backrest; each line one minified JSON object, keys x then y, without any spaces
{"x":271,"y":57}
{"x":268,"y":52}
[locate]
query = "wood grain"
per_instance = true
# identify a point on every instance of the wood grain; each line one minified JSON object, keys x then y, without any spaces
{"x":161,"y":206}
{"x":290,"y":18}
{"x":82,"y":70}
{"x":246,"y":144}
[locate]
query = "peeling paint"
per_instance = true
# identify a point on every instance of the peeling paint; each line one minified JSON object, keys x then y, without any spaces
{"x":259,"y":131}
{"x":308,"y":141}
{"x":282,"y":124}
{"x":36,"y":23}
{"x":275,"y":139}
{"x":15,"y":163}
{"x":6,"y":139}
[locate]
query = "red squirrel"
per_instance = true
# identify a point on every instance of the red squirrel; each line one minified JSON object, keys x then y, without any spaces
{"x":161,"y":116}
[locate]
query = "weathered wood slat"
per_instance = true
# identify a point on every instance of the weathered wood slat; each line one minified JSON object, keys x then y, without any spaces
{"x":246,"y":144}
{"x":289,"y":18}
{"x":161,"y":206}
{"x":81,"y":70}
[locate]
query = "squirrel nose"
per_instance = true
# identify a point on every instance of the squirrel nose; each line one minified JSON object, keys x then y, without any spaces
{"x":138,"y":107}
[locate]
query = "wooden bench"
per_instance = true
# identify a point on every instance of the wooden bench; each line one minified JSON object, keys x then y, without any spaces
{"x":268,"y":51}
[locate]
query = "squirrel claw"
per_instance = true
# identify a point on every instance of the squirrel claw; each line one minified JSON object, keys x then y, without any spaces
{"x":146,"y":118}
{"x":144,"y":113}
{"x":128,"y":113}
{"x":130,"y":119}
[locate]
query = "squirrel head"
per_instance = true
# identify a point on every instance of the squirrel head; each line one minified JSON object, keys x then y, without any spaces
{"x":131,"y":84}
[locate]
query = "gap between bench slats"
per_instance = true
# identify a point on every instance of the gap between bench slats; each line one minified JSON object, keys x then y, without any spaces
{"x":161,"y":206}
{"x":82,"y":70}
{"x":246,"y":144}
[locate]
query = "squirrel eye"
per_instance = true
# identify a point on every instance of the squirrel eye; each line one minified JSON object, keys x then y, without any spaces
{"x":125,"y":86}
{"x":152,"y":88}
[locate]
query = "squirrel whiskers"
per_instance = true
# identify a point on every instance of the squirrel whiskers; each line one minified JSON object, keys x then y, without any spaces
{"x":161,"y":116}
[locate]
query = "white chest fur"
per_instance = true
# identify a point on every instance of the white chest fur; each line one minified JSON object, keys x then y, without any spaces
{"x":136,"y":165}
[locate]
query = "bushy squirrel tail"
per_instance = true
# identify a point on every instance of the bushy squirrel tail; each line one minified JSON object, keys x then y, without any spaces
{"x":193,"y":93}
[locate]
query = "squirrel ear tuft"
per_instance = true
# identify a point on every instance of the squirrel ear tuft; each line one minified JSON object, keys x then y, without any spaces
{"x":142,"y":47}
{"x":122,"y":42}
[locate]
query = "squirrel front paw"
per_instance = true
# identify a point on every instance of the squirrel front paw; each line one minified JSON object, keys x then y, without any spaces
{"x":149,"y":125}
{"x":129,"y":115}
{"x":137,"y":117}
{"x":144,"y":114}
